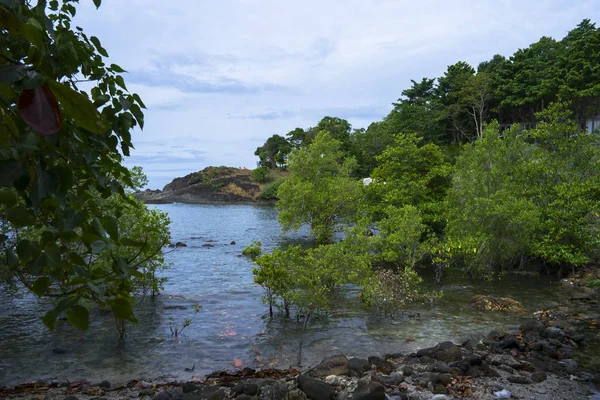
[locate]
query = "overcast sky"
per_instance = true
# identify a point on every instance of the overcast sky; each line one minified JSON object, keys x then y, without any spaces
{"x":219,"y":77}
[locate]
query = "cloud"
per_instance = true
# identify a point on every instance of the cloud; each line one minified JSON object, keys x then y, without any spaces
{"x":218,"y":75}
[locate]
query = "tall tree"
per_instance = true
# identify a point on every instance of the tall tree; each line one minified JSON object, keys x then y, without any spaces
{"x":274,"y":152}
{"x":456,"y":121}
{"x":60,"y":160}
{"x":320,"y":191}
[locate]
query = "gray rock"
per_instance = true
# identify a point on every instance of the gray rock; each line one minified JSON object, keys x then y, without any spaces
{"x":532,"y":326}
{"x":369,"y":390}
{"x":358,"y":365}
{"x":441,"y":368}
{"x":244,"y":397}
{"x":449,"y":355}
{"x":295,"y":394}
{"x":220,"y":394}
{"x":166,"y":395}
{"x":382,"y":365}
{"x":315,"y":389}
{"x":335,"y":365}
{"x":71,"y":398}
{"x":407,"y":370}
{"x":538,"y":377}
{"x":189,"y":387}
{"x":103,"y":385}
{"x":503,"y":359}
{"x":569,"y":365}
{"x":251,"y":389}
{"x":552,"y":332}
{"x":144,"y":392}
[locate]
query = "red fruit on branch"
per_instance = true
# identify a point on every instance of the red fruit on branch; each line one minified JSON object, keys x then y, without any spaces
{"x":39,"y":109}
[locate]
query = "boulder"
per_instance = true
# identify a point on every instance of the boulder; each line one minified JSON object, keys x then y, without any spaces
{"x":369,"y":390}
{"x":538,"y":376}
{"x":334,"y":365}
{"x":449,"y":355}
{"x":383,"y":366}
{"x":315,"y":389}
{"x":552,"y":332}
{"x":489,"y":303}
{"x":358,"y":365}
{"x":180,"y":244}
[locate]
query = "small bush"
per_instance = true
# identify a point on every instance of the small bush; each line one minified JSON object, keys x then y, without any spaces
{"x":253,"y":250}
{"x":260,"y":174}
{"x":270,"y":190}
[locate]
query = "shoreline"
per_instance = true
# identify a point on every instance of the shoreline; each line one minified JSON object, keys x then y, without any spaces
{"x":533,"y":362}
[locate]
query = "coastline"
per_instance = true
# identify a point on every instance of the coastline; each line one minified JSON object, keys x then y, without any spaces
{"x":534,"y":361}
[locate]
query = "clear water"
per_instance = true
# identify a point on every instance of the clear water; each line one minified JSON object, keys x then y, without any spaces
{"x":234,"y":323}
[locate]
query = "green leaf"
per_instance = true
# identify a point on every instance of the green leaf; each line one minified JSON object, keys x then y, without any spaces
{"x":97,"y":3}
{"x":79,"y":317}
{"x":119,"y":81}
{"x":80,"y":108}
{"x":12,"y":73}
{"x":112,"y":227}
{"x":72,"y":219}
{"x":53,"y":255}
{"x":132,"y":243}
{"x":98,"y":228}
{"x":101,"y":100}
{"x":20,"y":217}
{"x":138,"y":114}
{"x":41,"y":285}
{"x":8,"y":197}
{"x":139,"y":100}
{"x":116,"y":68}
{"x":123,"y":310}
{"x":50,"y":319}
{"x":27,"y":250}
{"x":10,"y":171}
{"x":98,"y":46}
{"x":99,"y":246}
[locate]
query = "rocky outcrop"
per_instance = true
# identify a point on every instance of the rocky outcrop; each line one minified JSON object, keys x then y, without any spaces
{"x":489,"y":303}
{"x":212,"y":185}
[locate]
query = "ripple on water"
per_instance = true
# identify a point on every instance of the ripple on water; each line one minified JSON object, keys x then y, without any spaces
{"x":233,"y":322}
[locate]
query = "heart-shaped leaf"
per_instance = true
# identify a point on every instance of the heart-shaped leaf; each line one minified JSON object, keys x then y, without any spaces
{"x":39,"y":109}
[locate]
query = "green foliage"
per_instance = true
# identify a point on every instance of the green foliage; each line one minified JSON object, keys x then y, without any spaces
{"x":176,"y":329}
{"x":532,"y":193}
{"x":411,"y":174}
{"x":391,"y":291}
{"x":319,"y":191}
{"x":253,"y":250}
{"x":271,"y":190}
{"x":274,"y":152}
{"x":63,"y":205}
{"x":260,"y":174}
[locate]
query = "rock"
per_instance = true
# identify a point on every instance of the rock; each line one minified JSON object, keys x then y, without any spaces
{"x":220,"y":394}
{"x":275,"y":391}
{"x":232,"y":242}
{"x":538,"y":377}
{"x":532,"y":326}
{"x":430,"y":351}
{"x":144,"y":392}
{"x":441,"y":368}
{"x":449,"y":355}
{"x":474,"y":359}
{"x":569,"y":365}
{"x":523,"y":380}
{"x":244,"y":397}
{"x":335,"y":365}
{"x":166,"y":395}
{"x":295,"y":394}
{"x":333,"y":380}
{"x":103,"y":385}
{"x":189,"y":387}
{"x":503,"y":359}
{"x":235,"y":391}
{"x":369,"y":390}
{"x":383,"y":366}
{"x":315,"y":389}
{"x":445,"y":379}
{"x":407,"y":370}
{"x":180,"y":244}
{"x":251,"y":389}
{"x":489,"y":303}
{"x":71,"y":398}
{"x":358,"y":365}
{"x":439,"y":389}
{"x":208,"y":245}
{"x":552,"y":332}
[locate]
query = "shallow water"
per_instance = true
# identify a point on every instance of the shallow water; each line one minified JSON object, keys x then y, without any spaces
{"x":234,"y":322}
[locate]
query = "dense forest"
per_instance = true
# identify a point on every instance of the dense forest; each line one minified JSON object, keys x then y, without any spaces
{"x":481,"y":170}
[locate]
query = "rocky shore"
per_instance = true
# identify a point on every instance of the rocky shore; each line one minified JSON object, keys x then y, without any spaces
{"x":534,"y":361}
{"x":212,"y":185}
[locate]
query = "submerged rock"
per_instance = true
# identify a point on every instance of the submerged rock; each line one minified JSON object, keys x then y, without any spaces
{"x":335,"y":365}
{"x":489,"y":303}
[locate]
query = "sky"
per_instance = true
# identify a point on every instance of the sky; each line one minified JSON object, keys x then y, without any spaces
{"x":219,"y":77}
